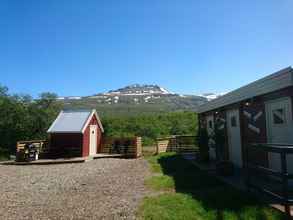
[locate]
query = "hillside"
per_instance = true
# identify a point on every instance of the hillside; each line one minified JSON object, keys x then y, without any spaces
{"x":135,"y":99}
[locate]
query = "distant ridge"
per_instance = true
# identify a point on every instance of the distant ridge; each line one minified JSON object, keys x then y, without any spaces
{"x":137,"y":99}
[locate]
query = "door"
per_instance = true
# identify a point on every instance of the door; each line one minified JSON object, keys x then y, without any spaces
{"x":93,"y":139}
{"x":210,"y":130}
{"x":279,"y":129}
{"x":234,"y":137}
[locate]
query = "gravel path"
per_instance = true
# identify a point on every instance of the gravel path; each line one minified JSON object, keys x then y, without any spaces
{"x":99,"y":189}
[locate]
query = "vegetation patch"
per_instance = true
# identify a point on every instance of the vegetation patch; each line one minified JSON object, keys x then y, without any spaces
{"x":151,"y":126}
{"x":160,"y":182}
{"x":154,"y":161}
{"x":172,"y":206}
{"x":193,"y":194}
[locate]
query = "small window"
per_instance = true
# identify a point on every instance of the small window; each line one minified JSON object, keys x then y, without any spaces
{"x":233,"y":121}
{"x":279,"y":116}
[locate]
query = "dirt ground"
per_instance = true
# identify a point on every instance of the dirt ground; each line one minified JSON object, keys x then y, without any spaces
{"x":98,"y":189}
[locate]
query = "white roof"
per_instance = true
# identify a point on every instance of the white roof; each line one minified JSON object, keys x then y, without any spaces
{"x":72,"y":121}
{"x":271,"y":83}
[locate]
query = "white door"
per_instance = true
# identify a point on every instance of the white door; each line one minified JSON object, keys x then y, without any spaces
{"x":234,"y":137}
{"x":210,"y":130}
{"x":279,"y":129}
{"x":93,"y":139}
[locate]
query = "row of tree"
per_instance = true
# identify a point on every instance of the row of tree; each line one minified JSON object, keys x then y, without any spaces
{"x":152,"y":126}
{"x":25,"y":118}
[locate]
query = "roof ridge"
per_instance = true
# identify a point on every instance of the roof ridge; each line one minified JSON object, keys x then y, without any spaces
{"x":77,"y":110}
{"x":237,"y":94}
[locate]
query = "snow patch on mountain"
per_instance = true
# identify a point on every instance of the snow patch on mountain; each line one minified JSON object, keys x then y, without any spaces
{"x":212,"y":96}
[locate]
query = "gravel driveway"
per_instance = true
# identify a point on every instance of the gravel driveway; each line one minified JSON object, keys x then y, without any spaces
{"x":99,"y":189}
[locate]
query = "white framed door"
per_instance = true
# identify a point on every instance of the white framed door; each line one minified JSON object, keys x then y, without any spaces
{"x":234,"y":137}
{"x":279,"y":129}
{"x":210,"y":130}
{"x":93,"y":139}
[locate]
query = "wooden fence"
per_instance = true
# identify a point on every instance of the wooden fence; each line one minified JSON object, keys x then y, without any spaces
{"x":129,"y":147}
{"x":179,"y":144}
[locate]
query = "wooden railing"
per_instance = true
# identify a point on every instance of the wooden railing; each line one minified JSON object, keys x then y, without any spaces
{"x":38,"y":143}
{"x":275,"y":182}
{"x":128,"y":147}
{"x":179,"y":144}
{"x":23,"y":152}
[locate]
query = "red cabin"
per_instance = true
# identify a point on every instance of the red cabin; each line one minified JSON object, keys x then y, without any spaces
{"x":75,"y":134}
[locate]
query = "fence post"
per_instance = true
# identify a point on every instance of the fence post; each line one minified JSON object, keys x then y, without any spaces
{"x":285,"y":182}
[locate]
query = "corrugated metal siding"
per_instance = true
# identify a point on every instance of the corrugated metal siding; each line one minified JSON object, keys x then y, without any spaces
{"x":274,"y":82}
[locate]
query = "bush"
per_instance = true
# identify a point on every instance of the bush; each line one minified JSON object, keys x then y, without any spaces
{"x":4,"y":154}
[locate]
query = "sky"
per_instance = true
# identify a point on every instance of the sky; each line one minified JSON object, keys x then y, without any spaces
{"x":82,"y":47}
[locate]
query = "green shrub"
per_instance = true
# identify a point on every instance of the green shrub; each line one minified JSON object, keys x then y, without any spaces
{"x":4,"y":154}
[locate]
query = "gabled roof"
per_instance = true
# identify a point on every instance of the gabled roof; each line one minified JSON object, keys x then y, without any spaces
{"x":73,"y":121}
{"x":271,"y":83}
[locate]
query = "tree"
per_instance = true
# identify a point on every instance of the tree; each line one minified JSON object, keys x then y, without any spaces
{"x":3,"y":91}
{"x":22,"y":118}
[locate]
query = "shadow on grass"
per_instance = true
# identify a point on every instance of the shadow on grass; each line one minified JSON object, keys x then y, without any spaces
{"x":213,"y":194}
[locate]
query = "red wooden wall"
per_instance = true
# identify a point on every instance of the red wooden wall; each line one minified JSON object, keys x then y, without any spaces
{"x":65,"y":144}
{"x":86,"y":137}
{"x":248,"y":135}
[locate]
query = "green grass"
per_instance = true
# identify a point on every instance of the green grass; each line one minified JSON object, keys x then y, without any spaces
{"x":189,"y":193}
{"x":154,"y":162}
{"x":160,"y":182}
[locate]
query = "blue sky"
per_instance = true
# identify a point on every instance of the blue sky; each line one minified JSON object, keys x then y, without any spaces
{"x":83,"y":47}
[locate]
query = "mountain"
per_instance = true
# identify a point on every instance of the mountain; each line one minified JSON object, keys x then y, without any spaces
{"x":137,"y":89}
{"x":211,"y":96}
{"x":135,"y":99}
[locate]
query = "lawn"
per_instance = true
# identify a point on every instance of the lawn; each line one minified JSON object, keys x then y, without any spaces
{"x":184,"y":192}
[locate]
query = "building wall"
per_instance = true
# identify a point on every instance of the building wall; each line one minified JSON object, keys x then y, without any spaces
{"x":220,"y":120}
{"x":252,"y":121}
{"x":86,"y":137}
{"x":253,"y":130}
{"x":65,"y":145}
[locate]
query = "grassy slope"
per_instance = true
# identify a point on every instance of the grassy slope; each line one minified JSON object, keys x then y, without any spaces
{"x":188,"y":193}
{"x":127,"y":107}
